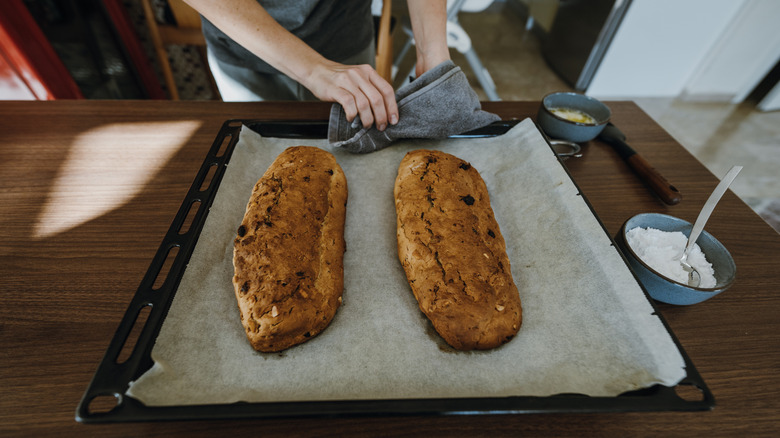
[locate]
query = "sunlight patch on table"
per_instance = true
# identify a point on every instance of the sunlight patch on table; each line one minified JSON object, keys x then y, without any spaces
{"x":101,"y":174}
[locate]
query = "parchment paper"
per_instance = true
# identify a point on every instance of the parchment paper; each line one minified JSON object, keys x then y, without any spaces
{"x":587,"y":326}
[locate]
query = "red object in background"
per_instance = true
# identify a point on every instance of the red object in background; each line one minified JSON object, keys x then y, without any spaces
{"x":29,"y":67}
{"x":135,"y":52}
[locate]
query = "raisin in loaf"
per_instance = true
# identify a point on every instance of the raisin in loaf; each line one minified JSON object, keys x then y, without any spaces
{"x":288,"y":255}
{"x":453,"y":252}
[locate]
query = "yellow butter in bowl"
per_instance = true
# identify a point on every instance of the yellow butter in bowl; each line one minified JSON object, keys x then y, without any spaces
{"x":573,"y":115}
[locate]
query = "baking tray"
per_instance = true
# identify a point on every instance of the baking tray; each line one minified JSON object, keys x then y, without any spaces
{"x":128,"y":355}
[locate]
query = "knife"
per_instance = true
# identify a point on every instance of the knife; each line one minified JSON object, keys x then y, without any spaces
{"x":647,"y":173}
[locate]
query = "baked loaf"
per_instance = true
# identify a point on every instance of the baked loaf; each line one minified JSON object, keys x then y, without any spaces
{"x":453,"y":252}
{"x":288,"y":255}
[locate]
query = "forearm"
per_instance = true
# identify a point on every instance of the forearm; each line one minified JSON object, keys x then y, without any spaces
{"x":359,"y":89}
{"x":429,"y":25}
{"x":248,"y":24}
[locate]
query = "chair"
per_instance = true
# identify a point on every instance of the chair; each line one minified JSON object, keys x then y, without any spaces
{"x":186,"y":31}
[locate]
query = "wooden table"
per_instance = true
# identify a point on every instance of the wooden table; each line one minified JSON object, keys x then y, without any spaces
{"x":89,"y":188}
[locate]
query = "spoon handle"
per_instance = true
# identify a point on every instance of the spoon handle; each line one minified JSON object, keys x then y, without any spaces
{"x":709,"y":206}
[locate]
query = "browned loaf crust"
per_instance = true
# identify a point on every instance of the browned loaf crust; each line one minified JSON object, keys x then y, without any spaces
{"x":453,"y":252}
{"x":288,"y":255}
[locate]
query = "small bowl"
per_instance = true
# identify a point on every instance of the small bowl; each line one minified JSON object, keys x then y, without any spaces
{"x":667,"y":290}
{"x":558,"y":127}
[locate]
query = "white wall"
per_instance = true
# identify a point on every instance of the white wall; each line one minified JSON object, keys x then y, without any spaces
{"x":741,"y":57}
{"x":659,"y":45}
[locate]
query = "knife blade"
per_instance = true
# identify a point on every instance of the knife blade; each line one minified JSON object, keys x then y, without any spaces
{"x":646,"y":172}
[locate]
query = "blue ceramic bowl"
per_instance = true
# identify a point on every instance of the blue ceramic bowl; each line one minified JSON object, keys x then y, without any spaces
{"x":664,"y":289}
{"x":558,"y":127}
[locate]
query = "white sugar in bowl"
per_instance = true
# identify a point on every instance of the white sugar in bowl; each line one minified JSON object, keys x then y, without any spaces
{"x":659,"y":277}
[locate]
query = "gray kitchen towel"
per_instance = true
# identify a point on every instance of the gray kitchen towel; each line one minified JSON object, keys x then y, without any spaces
{"x":436,"y":105}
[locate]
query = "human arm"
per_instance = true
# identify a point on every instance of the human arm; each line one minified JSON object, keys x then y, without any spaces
{"x":359,"y":88}
{"x":429,"y":25}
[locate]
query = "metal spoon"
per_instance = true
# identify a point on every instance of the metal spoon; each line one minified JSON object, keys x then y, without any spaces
{"x":694,"y":279}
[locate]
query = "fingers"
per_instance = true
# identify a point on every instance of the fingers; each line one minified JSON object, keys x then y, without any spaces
{"x":364,"y":93}
{"x":368,"y":101}
{"x":347,"y":102}
{"x":387,"y":99}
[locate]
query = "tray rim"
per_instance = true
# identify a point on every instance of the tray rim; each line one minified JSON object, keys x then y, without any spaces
{"x":111,"y":379}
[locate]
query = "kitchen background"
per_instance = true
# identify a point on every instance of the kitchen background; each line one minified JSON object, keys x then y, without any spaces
{"x":705,"y":70}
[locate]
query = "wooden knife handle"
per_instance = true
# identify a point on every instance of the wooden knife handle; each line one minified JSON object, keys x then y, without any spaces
{"x":667,"y":192}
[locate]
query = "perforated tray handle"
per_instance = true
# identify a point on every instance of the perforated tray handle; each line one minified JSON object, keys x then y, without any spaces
{"x":157,"y":288}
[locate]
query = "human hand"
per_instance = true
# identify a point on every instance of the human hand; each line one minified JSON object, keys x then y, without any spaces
{"x":359,"y":89}
{"x":436,"y":105}
{"x":427,"y":61}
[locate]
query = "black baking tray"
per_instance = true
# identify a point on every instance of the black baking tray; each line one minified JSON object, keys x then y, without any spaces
{"x":129,"y":354}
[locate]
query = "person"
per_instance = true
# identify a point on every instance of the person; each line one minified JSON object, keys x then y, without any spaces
{"x":324,"y":46}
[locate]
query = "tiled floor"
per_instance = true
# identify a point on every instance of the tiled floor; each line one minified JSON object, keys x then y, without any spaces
{"x":721,"y":135}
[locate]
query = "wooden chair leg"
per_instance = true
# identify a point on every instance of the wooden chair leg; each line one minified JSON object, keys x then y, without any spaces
{"x":384,"y":47}
{"x":162,"y":54}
